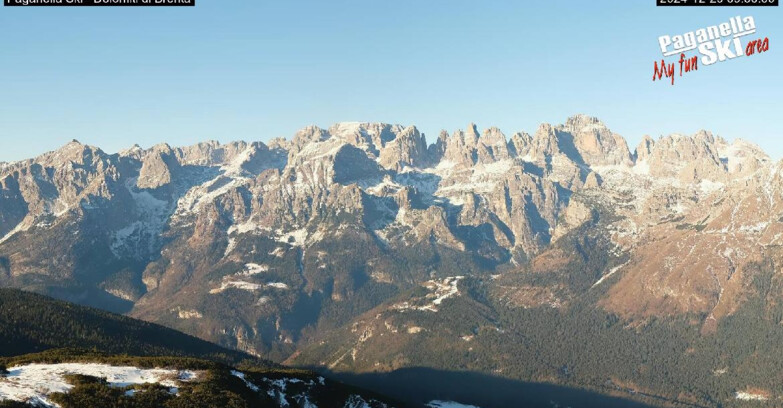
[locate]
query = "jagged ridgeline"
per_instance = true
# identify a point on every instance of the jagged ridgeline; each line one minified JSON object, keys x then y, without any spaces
{"x":272,"y":248}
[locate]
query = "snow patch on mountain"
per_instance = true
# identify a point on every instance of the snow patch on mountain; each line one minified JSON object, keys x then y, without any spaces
{"x":610,"y":273}
{"x":294,"y":238}
{"x":385,"y":186}
{"x":355,"y":401}
{"x":248,"y":286}
{"x":498,"y":168}
{"x":254,"y":269}
{"x":439,"y":291}
{"x":242,"y":377}
{"x":278,"y":252}
{"x":247,"y":227}
{"x":448,"y":404}
{"x":188,"y":313}
{"x":709,"y":186}
{"x":34,"y":382}
{"x":234,"y":167}
{"x":750,"y":396}
{"x":279,"y":389}
{"x":19,"y":228}
{"x":419,"y":179}
{"x":198,"y":196}
{"x":139,"y":239}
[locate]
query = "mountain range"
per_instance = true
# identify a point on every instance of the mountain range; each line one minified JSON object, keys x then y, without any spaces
{"x":561,"y":257}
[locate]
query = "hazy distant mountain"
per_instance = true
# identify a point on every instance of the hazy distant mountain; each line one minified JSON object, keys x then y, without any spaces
{"x":560,"y":257}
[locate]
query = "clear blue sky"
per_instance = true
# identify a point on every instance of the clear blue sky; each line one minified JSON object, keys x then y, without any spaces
{"x":253,"y":70}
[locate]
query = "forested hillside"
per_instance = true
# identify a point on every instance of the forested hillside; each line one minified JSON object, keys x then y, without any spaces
{"x":31,"y":323}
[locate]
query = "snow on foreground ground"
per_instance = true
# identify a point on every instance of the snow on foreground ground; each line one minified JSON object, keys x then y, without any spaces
{"x":34,"y":382}
{"x":448,"y":404}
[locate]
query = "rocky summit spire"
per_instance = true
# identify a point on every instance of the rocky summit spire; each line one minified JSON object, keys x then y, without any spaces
{"x":594,"y":142}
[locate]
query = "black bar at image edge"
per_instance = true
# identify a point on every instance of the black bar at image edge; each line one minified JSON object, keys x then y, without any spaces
{"x":717,"y":3}
{"x":99,"y":3}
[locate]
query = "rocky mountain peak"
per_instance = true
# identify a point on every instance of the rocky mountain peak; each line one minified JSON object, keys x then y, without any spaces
{"x":309,"y":134}
{"x":545,"y":142}
{"x":644,"y":148}
{"x":134,"y":152}
{"x":461,"y":147}
{"x":371,"y":137}
{"x":582,"y":122}
{"x":408,"y":148}
{"x":595,"y":144}
{"x":73,"y":152}
{"x":471,"y":135}
{"x":279,"y":143}
{"x":438,"y":149}
{"x":492,"y":146}
{"x":162,"y":148}
{"x":687,"y":158}
{"x":519,"y":144}
{"x":741,"y":157}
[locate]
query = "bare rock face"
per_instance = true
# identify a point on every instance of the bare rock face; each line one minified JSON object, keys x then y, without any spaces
{"x":437,"y":150}
{"x":519,"y":144}
{"x":408,"y":149}
{"x":56,"y":183}
{"x":268,"y":241}
{"x":686,"y":158}
{"x":545,"y":143}
{"x":576,"y":214}
{"x":12,"y":202}
{"x":305,"y":137}
{"x":157,"y":167}
{"x":352,"y":165}
{"x":592,"y":180}
{"x":742,"y":158}
{"x":460,"y":148}
{"x":492,"y":146}
{"x":595,"y":144}
{"x":644,"y":149}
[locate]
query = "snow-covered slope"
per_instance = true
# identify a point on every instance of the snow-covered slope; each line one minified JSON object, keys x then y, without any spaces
{"x":34,"y":382}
